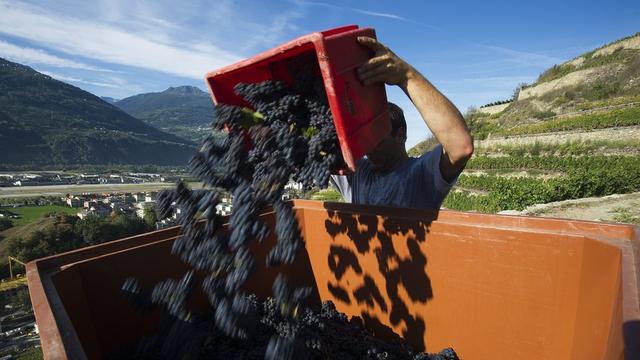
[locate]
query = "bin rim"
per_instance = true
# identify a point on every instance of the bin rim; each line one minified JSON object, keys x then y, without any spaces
{"x":297,"y":42}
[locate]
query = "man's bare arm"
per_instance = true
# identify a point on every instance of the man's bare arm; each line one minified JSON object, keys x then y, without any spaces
{"x":441,"y":116}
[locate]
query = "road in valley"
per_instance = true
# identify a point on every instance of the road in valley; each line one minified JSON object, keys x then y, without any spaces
{"x":62,"y":190}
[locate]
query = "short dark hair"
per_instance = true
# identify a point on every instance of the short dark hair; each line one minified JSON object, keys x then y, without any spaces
{"x":397,"y":118}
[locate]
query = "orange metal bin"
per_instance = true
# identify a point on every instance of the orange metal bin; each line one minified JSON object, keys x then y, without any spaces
{"x":486,"y":285}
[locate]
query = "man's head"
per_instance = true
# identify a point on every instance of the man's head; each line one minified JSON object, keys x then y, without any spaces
{"x":387,"y":154}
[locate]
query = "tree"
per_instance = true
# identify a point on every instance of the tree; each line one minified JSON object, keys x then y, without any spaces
{"x":92,"y":230}
{"x":473,"y":118}
{"x":53,"y":239}
{"x":5,"y":223}
{"x":69,"y":232}
{"x":131,"y":226}
{"x":21,"y":300}
{"x":150,"y":217}
{"x":516,"y":92}
{"x":33,"y":247}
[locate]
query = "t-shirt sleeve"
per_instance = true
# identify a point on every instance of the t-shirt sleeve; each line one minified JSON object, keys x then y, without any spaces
{"x":431,"y":167}
{"x":343,"y":184}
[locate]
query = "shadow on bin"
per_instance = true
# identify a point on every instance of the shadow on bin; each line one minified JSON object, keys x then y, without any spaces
{"x":406,"y":270}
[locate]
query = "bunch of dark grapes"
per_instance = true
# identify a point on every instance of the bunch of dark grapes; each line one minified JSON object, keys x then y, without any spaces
{"x":288,"y":135}
{"x":302,"y":128}
{"x":314,"y":334}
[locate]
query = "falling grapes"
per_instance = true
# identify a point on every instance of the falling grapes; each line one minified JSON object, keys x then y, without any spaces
{"x":288,"y":134}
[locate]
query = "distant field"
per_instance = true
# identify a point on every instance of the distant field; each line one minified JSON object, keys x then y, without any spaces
{"x":30,"y":213}
{"x":61,"y":190}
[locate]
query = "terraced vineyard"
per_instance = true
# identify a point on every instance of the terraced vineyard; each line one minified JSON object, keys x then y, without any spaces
{"x":581,"y":176}
{"x":565,"y":140}
{"x":514,"y":175}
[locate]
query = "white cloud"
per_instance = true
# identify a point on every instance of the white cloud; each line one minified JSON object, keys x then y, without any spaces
{"x":367,"y":12}
{"x":77,"y":80}
{"x":279,"y":26}
{"x":110,"y":43}
{"x":249,"y":27}
{"x":524,"y":57}
{"x":379,"y":14}
{"x":26,"y":55}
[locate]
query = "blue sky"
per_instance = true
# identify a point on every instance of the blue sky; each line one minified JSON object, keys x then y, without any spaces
{"x":475,"y":52}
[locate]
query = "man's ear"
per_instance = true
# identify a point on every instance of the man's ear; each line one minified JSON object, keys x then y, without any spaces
{"x":401,"y":135}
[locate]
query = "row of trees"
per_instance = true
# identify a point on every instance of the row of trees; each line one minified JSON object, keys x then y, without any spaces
{"x":497,"y":103}
{"x":514,"y":96}
{"x":32,"y":201}
{"x":68,"y":232}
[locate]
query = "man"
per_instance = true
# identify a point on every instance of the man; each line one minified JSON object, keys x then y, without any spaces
{"x":388,"y":176}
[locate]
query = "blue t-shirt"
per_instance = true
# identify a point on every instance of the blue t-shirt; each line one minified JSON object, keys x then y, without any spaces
{"x":415,"y":184}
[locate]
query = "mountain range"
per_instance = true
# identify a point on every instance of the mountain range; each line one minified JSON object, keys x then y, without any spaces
{"x":44,"y":121}
{"x":108,"y":99}
{"x":185,"y":110}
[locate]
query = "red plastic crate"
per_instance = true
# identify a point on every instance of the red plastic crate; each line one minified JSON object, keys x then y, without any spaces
{"x":359,"y":112}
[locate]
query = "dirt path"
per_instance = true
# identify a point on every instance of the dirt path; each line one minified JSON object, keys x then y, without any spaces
{"x":619,"y":133}
{"x":516,"y":173}
{"x":616,"y":208}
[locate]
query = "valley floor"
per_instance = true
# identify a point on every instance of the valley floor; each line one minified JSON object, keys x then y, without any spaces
{"x":61,"y":190}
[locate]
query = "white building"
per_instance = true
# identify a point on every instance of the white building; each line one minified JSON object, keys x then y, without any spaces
{"x":293,"y":186}
{"x":150,"y":196}
{"x":224,"y":209}
{"x":73,"y":202}
{"x":98,"y":210}
{"x":142,"y":206}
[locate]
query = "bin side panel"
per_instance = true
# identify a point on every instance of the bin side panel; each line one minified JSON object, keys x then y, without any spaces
{"x":483,"y":291}
{"x":518,"y":288}
{"x":118,"y":324}
{"x":622,"y":236}
{"x":70,"y":289}
{"x":50,"y":337}
{"x":598,"y":331}
{"x":58,"y":342}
